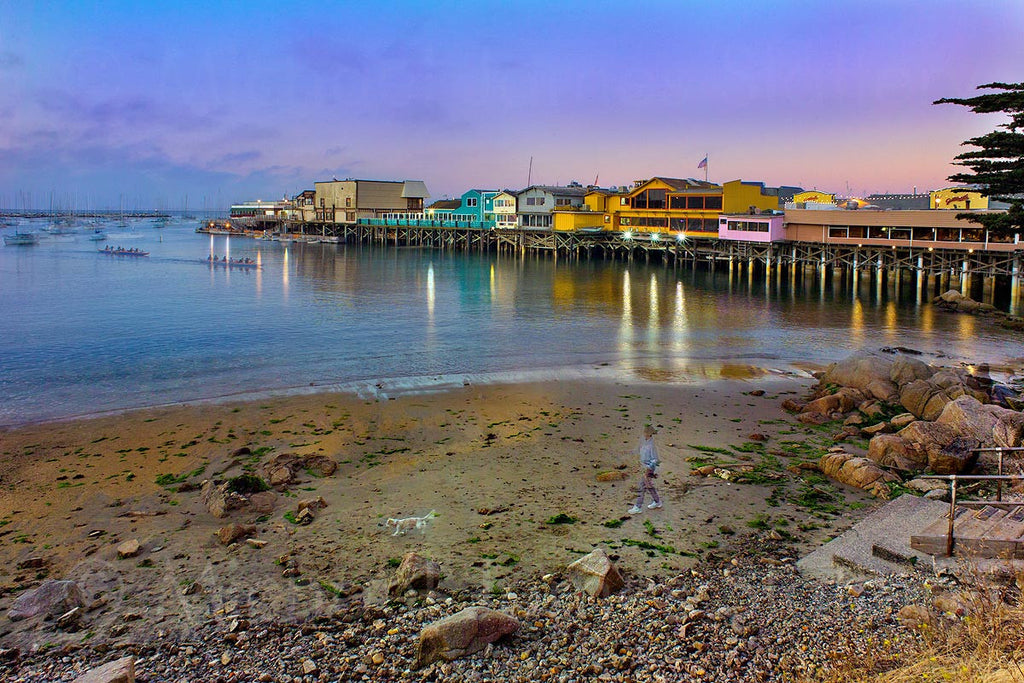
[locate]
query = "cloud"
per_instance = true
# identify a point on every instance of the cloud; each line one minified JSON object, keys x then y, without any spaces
{"x":11,"y":60}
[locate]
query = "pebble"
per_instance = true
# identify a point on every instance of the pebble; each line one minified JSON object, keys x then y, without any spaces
{"x":754,"y":622}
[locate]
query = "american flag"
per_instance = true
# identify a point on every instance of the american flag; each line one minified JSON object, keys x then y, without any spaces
{"x":703,"y":163}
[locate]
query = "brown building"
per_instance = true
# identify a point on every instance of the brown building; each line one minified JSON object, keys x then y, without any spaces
{"x":346,"y":201}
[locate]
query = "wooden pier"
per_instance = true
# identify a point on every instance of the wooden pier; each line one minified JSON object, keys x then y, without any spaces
{"x":984,"y":275}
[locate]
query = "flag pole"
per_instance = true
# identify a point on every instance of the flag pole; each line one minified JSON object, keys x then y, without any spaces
{"x":706,"y":167}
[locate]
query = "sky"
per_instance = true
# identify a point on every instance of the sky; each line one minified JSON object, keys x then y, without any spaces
{"x":158,"y":104}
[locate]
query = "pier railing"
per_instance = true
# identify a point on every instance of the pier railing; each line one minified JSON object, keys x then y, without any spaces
{"x":955,"y":479}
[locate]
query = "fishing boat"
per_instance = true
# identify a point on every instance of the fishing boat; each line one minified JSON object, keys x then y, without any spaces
{"x":232,"y":263}
{"x":97,"y":235}
{"x":121,"y":251}
{"x":21,"y":238}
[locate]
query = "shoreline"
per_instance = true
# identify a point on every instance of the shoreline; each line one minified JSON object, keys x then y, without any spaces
{"x":75,"y":490}
{"x":697,"y":371}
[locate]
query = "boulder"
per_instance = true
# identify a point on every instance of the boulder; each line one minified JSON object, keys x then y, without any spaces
{"x":906,"y":369}
{"x":118,"y":671}
{"x":902,"y":420}
{"x":792,"y":406}
{"x":915,"y":617}
{"x":595,"y":574}
{"x":220,"y":501}
{"x":415,"y":572}
{"x":970,"y":418}
{"x":947,"y":452}
{"x":813,"y":418}
{"x":1009,"y":429}
{"x":280,"y":475}
{"x":461,"y":634}
{"x":871,"y":408}
{"x":858,"y":472}
{"x":128,"y":549}
{"x":924,"y":399}
{"x":957,"y":457}
{"x":950,"y":296}
{"x":311,"y":504}
{"x":828,"y":403}
{"x":614,"y":475}
{"x":51,"y":597}
{"x":233,"y":532}
{"x":320,"y":465}
{"x":867,"y":372}
{"x":891,"y":450}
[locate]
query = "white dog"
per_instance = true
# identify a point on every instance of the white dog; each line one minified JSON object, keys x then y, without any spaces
{"x":403,"y":526}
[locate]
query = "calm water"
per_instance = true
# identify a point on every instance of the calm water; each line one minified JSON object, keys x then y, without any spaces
{"x":84,"y":332}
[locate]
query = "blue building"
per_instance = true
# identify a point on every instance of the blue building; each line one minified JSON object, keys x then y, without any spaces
{"x":479,"y":204}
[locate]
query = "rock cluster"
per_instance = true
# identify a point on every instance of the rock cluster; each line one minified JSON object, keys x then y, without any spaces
{"x":918,"y":418}
{"x":751,"y":617}
{"x":953,"y":300}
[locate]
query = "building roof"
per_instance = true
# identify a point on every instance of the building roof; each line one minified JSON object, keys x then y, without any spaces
{"x":564,"y":190}
{"x":687,"y":183}
{"x":415,"y":189}
{"x":446,"y":204}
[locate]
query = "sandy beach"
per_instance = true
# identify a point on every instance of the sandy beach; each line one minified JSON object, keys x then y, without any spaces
{"x":525,"y":454}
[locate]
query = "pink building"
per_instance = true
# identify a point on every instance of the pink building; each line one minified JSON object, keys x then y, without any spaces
{"x":751,"y":227}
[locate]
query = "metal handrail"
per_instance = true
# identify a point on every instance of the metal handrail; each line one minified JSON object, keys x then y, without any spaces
{"x":998,"y":478}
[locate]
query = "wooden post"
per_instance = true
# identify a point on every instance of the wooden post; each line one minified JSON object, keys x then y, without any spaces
{"x":952,"y":515}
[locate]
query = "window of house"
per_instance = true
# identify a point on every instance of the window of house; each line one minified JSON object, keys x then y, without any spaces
{"x":348,"y":201}
{"x":321,"y":202}
{"x":713,"y":202}
{"x":563,"y":201}
{"x":471,"y":201}
{"x":677,"y":202}
{"x":656,"y":199}
{"x":695,"y":202}
{"x":640,"y":201}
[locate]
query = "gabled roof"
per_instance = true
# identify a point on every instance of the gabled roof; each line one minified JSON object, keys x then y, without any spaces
{"x":683,"y":184}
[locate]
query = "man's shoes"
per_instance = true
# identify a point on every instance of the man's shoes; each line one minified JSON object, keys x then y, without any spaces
{"x":654,"y":506}
{"x":636,"y":509}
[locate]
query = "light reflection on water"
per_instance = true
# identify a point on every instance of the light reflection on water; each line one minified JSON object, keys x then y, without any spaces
{"x":86,"y":332}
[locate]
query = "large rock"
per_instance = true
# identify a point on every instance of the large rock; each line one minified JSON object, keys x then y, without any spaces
{"x":118,"y":671}
{"x":945,"y":449}
{"x":220,"y":501}
{"x":320,"y":465}
{"x":1009,"y":430}
{"x":461,"y":634}
{"x":51,"y":597}
{"x":859,"y":472}
{"x":957,"y":457}
{"x":595,"y":574}
{"x":263,"y":502}
{"x":864,"y":371}
{"x":906,"y":369}
{"x":924,"y":399}
{"x":971,"y":418}
{"x":415,"y":572}
{"x":890,"y":450}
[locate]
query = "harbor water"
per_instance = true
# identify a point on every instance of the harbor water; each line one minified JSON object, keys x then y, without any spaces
{"x":86,"y":332}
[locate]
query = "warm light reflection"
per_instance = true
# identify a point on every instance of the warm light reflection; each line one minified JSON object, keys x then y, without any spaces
{"x":430,"y":292}
{"x":259,"y":273}
{"x":679,"y":326}
{"x":856,"y":322}
{"x":284,"y":272}
{"x":493,"y":291}
{"x":625,"y":340}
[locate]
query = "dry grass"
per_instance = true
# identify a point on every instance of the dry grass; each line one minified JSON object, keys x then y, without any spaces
{"x":975,"y":635}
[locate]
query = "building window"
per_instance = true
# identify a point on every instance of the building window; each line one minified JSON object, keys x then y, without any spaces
{"x":695,"y":202}
{"x":535,"y":201}
{"x":471,"y":201}
{"x":321,"y":202}
{"x":677,"y":202}
{"x":348,"y":202}
{"x":563,"y":201}
{"x":713,"y":203}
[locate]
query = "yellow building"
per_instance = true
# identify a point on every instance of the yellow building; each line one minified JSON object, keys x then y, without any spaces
{"x":961,"y":198}
{"x":687,"y":206}
{"x":599,"y":207}
{"x":814,"y":196}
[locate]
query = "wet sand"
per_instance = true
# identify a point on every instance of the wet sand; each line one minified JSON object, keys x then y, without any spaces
{"x":72,"y":491}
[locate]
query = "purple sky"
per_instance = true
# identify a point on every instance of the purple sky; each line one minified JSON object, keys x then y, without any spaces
{"x":224,"y":102}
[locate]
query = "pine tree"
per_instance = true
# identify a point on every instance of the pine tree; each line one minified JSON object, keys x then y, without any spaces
{"x":998,"y":163}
